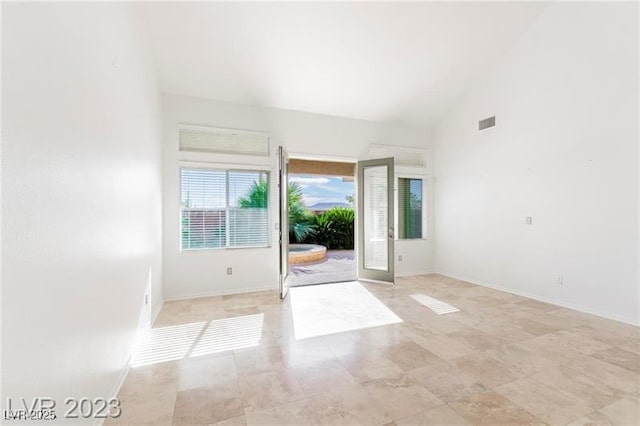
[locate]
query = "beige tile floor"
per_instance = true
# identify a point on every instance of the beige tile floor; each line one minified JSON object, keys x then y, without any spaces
{"x":503,"y":359}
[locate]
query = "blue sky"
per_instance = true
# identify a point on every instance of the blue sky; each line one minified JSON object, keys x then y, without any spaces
{"x":323,"y":189}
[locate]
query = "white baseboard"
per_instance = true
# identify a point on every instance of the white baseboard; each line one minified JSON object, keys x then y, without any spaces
{"x":560,"y":303}
{"x":125,"y":371}
{"x":218,"y":293}
{"x":154,"y":315}
{"x":116,"y":389}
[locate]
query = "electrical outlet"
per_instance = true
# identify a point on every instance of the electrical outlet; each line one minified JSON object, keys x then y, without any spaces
{"x":400,"y":258}
{"x":559,"y":279}
{"x":146,"y":299}
{"x":229,"y":270}
{"x":528,"y":220}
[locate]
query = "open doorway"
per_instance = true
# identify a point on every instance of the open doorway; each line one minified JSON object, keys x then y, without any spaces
{"x":321,"y":222}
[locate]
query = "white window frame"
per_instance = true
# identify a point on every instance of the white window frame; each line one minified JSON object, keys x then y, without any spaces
{"x":226,"y":168}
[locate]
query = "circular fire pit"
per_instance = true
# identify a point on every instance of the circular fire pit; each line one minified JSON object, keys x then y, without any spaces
{"x":306,"y":253}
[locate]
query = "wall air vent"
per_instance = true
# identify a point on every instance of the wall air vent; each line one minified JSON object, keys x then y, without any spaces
{"x":223,"y":141}
{"x":486,"y":123}
{"x":404,"y":156}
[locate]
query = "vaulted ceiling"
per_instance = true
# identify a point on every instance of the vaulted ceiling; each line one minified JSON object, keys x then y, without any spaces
{"x":400,"y":63}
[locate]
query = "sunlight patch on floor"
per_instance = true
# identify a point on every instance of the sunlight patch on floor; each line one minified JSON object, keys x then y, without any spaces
{"x":437,"y":306}
{"x":333,"y":308}
{"x":176,"y":342}
{"x":228,"y":334}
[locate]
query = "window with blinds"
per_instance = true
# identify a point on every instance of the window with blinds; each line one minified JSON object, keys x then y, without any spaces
{"x":223,"y":208}
{"x":223,"y":141}
{"x":409,"y":208}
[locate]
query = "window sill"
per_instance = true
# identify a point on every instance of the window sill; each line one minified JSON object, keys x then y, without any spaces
{"x":219,"y":249}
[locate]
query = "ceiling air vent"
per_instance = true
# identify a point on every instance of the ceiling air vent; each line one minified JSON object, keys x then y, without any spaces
{"x":486,"y":123}
{"x":224,"y":141}
{"x":403,"y":156}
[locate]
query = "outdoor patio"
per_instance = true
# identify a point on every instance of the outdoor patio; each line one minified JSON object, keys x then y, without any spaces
{"x":338,"y":266}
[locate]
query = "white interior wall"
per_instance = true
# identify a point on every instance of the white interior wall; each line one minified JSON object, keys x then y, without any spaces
{"x":197,"y":273}
{"x":81,"y":197}
{"x":564,"y":151}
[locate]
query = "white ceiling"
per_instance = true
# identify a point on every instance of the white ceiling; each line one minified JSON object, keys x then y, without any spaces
{"x":400,"y":63}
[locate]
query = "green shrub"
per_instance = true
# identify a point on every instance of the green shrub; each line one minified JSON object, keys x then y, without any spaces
{"x":300,"y":220}
{"x":333,"y":229}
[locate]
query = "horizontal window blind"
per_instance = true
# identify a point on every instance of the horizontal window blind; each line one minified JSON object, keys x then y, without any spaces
{"x":223,"y":208}
{"x":248,"y":209}
{"x":403,"y":156}
{"x":224,"y":141}
{"x":376,"y":220}
{"x":409,"y":208}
